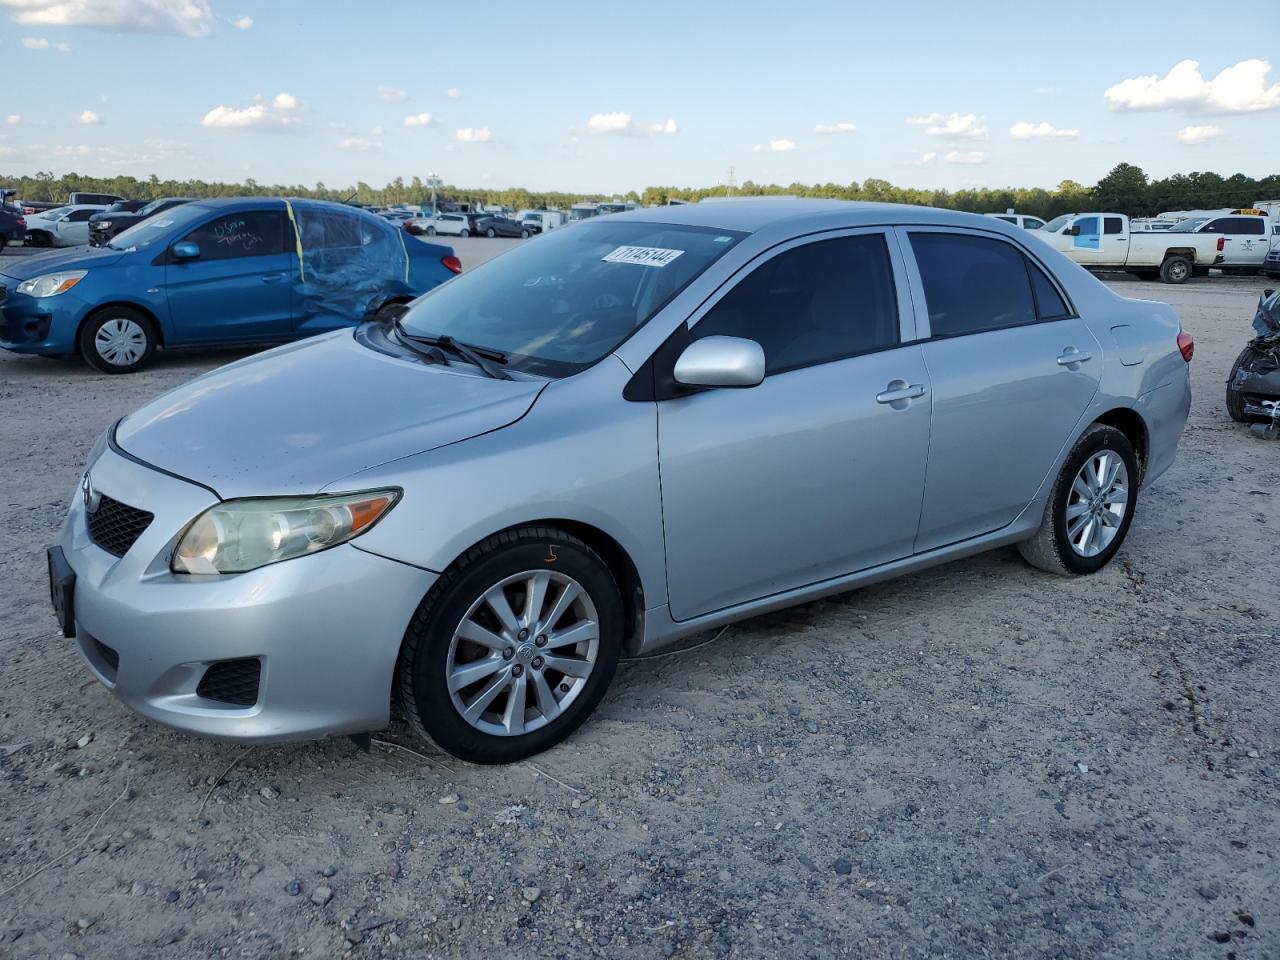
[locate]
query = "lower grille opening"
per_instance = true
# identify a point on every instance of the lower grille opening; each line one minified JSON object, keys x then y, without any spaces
{"x":109,"y":656}
{"x":232,"y":681}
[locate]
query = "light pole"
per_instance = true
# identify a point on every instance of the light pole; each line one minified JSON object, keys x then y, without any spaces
{"x":433,"y":181}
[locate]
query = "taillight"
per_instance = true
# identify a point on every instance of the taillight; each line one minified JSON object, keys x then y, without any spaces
{"x":1186,"y":345}
{"x":454,"y":265}
{"x":22,"y":222}
{"x":1222,"y":244}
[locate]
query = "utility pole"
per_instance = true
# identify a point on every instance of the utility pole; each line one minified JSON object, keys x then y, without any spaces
{"x":732,"y":183}
{"x":433,"y":181}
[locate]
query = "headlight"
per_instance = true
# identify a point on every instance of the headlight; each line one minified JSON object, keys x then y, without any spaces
{"x":104,"y":224}
{"x":51,"y":284}
{"x":240,"y":535}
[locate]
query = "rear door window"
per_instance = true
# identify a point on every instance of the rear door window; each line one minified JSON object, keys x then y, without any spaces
{"x":812,"y":304}
{"x":1113,"y":225}
{"x":80,"y":216}
{"x":973,"y":284}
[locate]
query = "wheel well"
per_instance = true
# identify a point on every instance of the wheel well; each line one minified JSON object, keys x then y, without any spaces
{"x":1129,"y":423}
{"x":619,"y":564}
{"x":1188,"y":252}
{"x":121,"y":303}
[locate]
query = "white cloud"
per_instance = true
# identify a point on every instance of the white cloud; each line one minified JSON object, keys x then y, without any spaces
{"x":419,"y":120}
{"x":35,"y":43}
{"x":243,"y":23}
{"x":88,"y":117}
{"x":13,"y":119}
{"x":62,"y":47}
{"x":1198,"y":134}
{"x":775,"y":146}
{"x":609,"y":123}
{"x":951,"y":126}
{"x":829,"y":128}
{"x":377,"y":131}
{"x":665,"y":127}
{"x":453,"y":93}
{"x":965,"y":156}
{"x":8,"y":151}
{"x":283,"y":111}
{"x":1241,"y":88}
{"x":1025,"y":130}
{"x":186,"y":18}
{"x":392,"y":94}
{"x":472,"y":135}
{"x":924,"y":159}
{"x":359,"y":144}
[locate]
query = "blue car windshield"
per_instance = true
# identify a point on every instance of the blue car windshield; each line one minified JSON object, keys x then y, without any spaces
{"x":158,"y":228}
{"x":557,"y":304}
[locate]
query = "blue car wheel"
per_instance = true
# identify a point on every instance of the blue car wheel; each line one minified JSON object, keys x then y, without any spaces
{"x":117,"y":340}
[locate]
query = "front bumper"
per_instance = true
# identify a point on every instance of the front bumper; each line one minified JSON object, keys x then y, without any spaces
{"x":42,"y":325}
{"x":326,"y":629}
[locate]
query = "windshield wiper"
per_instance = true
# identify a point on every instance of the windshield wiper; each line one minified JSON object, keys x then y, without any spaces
{"x":485,"y":358}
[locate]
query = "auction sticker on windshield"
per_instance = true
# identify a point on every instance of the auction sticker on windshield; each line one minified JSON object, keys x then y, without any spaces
{"x":645,"y":256}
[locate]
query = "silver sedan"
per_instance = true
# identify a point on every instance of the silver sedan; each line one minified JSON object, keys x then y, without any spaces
{"x":636,"y":429}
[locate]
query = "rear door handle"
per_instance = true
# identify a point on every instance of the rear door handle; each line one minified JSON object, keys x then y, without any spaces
{"x":899,"y":390}
{"x":1072,"y":356}
{"x":272,"y":277}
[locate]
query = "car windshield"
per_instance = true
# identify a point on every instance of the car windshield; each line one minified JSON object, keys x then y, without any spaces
{"x":1056,"y":224}
{"x":151,"y":207}
{"x":1188,"y":226}
{"x":156,"y":229}
{"x":55,"y":213}
{"x":557,"y":306}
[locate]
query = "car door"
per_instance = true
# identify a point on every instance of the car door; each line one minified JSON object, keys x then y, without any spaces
{"x":1114,"y":242}
{"x":1086,"y":239}
{"x":73,"y":229}
{"x":1012,"y":368}
{"x":240,"y":286}
{"x":818,"y":471}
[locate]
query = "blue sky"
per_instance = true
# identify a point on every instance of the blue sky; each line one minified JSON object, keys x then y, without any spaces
{"x":599,"y":96}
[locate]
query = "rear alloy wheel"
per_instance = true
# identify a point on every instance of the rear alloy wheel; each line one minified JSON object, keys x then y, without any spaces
{"x":524,"y":234}
{"x":465,"y":233}
{"x":431,"y":231}
{"x":1090,"y":508}
{"x":491,"y":233}
{"x":513,"y":647}
{"x":1176,"y":270}
{"x":117,"y":340}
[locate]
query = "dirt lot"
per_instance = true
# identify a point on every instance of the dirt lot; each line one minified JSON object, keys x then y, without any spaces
{"x":980,"y":760}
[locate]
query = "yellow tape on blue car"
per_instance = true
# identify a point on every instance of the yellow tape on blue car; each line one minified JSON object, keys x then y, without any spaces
{"x":297,"y":239}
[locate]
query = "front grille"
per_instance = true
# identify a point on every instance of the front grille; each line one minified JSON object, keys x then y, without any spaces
{"x":115,"y":526}
{"x":232,"y":681}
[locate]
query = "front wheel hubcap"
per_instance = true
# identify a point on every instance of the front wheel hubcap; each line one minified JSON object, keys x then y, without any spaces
{"x":509,"y":694}
{"x":1097,"y":504}
{"x":120,"y":341}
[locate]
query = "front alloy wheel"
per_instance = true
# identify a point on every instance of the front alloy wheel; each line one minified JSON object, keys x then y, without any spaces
{"x":513,"y":646}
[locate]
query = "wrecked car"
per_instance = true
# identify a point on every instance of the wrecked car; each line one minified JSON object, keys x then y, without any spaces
{"x":1253,"y":388}
{"x":215,"y":272}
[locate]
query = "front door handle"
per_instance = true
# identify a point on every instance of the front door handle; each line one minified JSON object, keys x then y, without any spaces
{"x":897,"y":392}
{"x":1072,"y":356}
{"x":272,"y":277}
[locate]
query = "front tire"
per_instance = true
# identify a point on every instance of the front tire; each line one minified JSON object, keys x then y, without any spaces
{"x":491,"y":233}
{"x":524,"y":234}
{"x":1090,"y":508}
{"x":1176,"y":270}
{"x":118,"y":340}
{"x":1235,"y":399}
{"x":431,"y":231}
{"x":513,"y":647}
{"x":465,"y":233}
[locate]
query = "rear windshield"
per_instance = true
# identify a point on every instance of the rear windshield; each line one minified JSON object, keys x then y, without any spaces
{"x":557,"y":305}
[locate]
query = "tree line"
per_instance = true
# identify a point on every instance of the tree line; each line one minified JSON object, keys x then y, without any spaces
{"x":1126,"y":189}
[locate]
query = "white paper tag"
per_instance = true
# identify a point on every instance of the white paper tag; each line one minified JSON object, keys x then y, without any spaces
{"x":644,"y":256}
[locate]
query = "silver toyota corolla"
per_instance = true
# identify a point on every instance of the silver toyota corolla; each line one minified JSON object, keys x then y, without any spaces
{"x":611,"y":437}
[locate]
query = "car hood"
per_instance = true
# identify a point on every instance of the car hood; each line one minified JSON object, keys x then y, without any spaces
{"x":72,"y":258}
{"x":298,"y":418}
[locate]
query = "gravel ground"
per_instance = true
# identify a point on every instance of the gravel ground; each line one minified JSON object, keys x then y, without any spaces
{"x":976,"y":761}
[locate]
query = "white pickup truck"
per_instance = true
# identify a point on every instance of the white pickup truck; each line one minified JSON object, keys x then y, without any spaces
{"x":1234,"y":243}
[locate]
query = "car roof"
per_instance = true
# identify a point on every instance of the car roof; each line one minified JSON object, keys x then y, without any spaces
{"x":754,"y":214}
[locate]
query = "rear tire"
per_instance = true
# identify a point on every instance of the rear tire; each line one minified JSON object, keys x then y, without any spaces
{"x":510,"y":661}
{"x":465,"y":233}
{"x":117,"y":340}
{"x":1235,"y":399}
{"x":1176,"y":270}
{"x":1054,"y":547}
{"x":431,"y":231}
{"x":491,"y":233}
{"x":524,"y":234}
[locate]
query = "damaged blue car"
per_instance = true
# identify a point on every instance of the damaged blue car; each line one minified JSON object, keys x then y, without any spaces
{"x":215,"y":272}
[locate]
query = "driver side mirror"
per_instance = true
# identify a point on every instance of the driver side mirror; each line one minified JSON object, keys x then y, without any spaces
{"x":186,"y":250}
{"x":721,"y":362}
{"x":1072,"y":231}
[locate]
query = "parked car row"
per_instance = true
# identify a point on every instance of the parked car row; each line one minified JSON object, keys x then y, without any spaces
{"x":223,"y":271}
{"x":469,"y":225}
